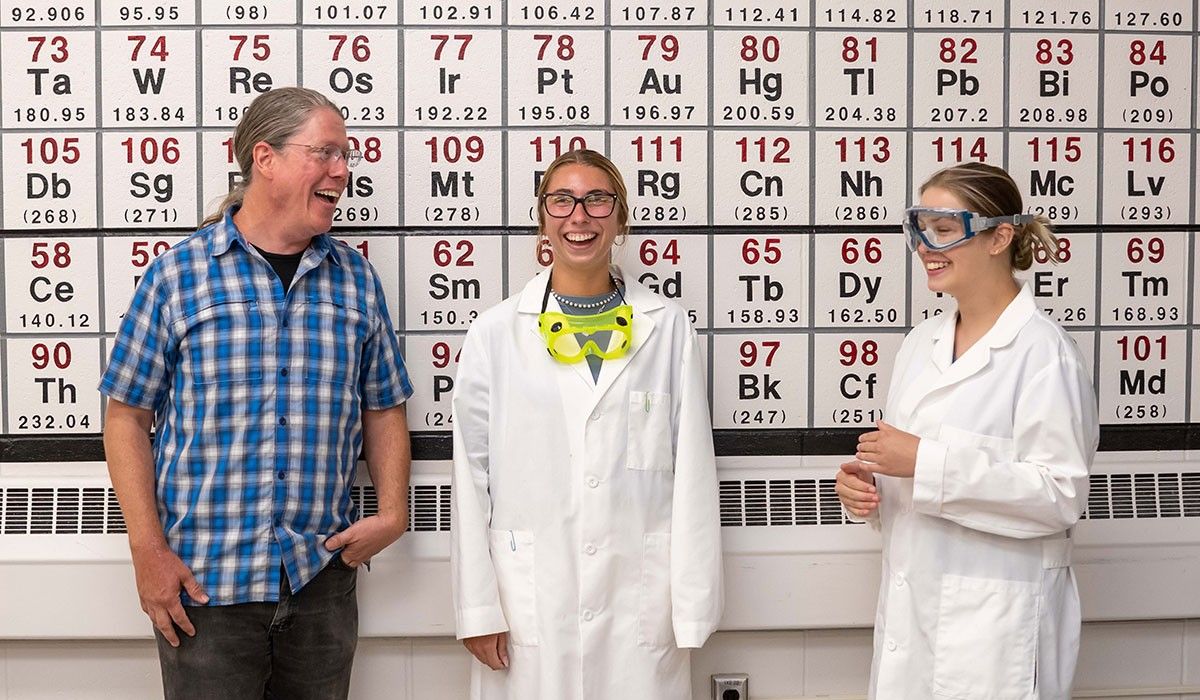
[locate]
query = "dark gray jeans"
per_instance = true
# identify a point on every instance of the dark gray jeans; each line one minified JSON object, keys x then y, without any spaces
{"x":300,"y":648}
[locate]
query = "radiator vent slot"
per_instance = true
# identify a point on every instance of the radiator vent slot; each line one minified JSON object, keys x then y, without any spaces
{"x":16,"y":511}
{"x":425,"y":511}
{"x":759,"y":503}
{"x":95,"y":510}
{"x":368,"y":504}
{"x":1143,"y":495}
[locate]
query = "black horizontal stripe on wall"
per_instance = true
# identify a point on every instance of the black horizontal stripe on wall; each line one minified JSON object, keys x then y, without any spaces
{"x":729,"y":443}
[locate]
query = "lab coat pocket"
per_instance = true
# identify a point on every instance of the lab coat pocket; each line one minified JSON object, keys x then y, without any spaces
{"x":1000,"y":449}
{"x":654,"y":596}
{"x":650,"y":445}
{"x":986,"y":645}
{"x":513,"y":558}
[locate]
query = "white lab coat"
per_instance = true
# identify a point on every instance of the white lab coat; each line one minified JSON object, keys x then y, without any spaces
{"x":585,"y":513}
{"x":978,"y":600}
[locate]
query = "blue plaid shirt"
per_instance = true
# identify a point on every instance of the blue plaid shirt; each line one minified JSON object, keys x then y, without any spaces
{"x":258,"y":397}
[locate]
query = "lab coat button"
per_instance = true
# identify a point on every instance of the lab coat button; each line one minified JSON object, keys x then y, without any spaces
{"x":588,"y":615}
{"x":590,"y":548}
{"x":593,"y":481}
{"x":891,"y":645}
{"x":596,"y":415}
{"x":900,"y":581}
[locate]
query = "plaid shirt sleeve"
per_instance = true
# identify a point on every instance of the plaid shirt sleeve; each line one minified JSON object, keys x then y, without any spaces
{"x":384,"y":379}
{"x":144,"y":352}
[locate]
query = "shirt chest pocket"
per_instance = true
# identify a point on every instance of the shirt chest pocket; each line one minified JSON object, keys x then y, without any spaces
{"x":331,"y":335}
{"x":651,"y":447}
{"x":223,"y":342}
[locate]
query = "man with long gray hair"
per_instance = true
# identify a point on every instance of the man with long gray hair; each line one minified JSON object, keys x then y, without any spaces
{"x":261,"y":352}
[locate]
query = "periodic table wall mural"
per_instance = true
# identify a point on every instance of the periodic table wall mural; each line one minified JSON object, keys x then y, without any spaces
{"x":769,"y":149}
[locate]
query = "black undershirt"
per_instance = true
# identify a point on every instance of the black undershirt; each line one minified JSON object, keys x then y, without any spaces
{"x":284,"y":264}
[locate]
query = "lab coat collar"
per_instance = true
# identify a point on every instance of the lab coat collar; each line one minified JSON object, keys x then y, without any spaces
{"x":1003,"y":331}
{"x":943,"y":370}
{"x":637,"y":295}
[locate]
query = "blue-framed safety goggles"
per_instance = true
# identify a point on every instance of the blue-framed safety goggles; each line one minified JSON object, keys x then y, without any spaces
{"x":943,"y":229}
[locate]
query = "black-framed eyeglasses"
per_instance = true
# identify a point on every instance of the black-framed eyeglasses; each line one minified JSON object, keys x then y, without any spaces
{"x":332,"y":154}
{"x":560,"y":205}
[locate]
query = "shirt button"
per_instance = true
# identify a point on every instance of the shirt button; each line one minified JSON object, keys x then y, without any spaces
{"x":284,"y":323}
{"x":588,"y":615}
{"x":283,"y":371}
{"x":891,"y":645}
{"x":590,"y":548}
{"x":283,"y":421}
{"x":282,"y":475}
{"x":593,"y":481}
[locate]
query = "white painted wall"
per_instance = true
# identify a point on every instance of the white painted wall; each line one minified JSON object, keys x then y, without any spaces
{"x":1130,"y":658}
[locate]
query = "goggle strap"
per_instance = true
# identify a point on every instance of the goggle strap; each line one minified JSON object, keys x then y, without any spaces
{"x":546,"y":295}
{"x":982,"y":224}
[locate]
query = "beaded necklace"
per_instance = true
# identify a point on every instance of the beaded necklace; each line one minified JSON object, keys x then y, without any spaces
{"x":589,"y":305}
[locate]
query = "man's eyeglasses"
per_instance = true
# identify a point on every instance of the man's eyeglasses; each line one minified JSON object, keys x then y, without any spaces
{"x":560,"y":205}
{"x":332,"y":154}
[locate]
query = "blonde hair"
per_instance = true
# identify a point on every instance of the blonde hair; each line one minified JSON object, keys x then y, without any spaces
{"x":989,"y":191}
{"x":591,"y":158}
{"x":272,"y":118}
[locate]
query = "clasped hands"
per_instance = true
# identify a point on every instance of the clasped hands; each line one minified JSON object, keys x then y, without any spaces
{"x":887,"y":450}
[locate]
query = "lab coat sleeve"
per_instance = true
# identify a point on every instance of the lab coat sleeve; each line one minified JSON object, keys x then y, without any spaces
{"x":697,"y":586}
{"x":472,"y":575}
{"x":1043,"y":490}
{"x":899,"y":370}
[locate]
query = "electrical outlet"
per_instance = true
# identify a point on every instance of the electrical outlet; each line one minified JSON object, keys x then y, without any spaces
{"x":730,"y":686}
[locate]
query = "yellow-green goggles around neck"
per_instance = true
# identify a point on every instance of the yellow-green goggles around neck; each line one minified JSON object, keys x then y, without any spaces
{"x":561,"y":333}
